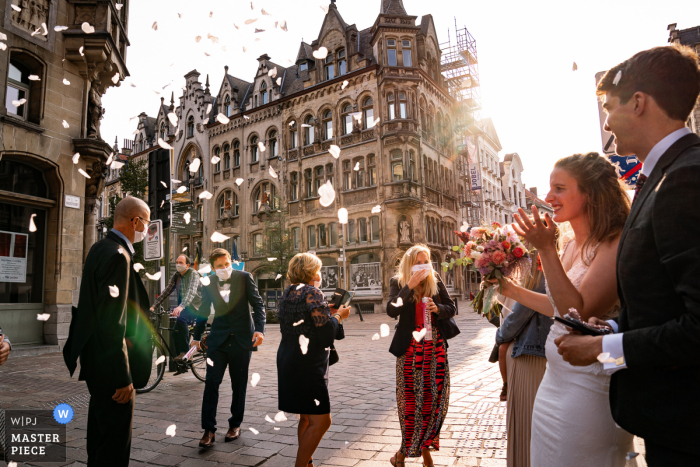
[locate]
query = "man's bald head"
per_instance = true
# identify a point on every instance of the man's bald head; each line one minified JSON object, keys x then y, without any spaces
{"x":130,"y":207}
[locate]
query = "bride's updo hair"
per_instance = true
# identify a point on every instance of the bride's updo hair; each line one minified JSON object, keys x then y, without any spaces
{"x":607,"y":202}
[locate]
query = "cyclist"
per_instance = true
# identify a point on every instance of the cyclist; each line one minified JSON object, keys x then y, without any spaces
{"x":189,"y":296}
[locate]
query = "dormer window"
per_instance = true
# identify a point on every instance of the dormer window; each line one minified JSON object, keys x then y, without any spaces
{"x":227,"y":106}
{"x":263,"y":93}
{"x":342,"y":63}
{"x":330,"y":68}
{"x":162,"y":130}
{"x":406,"y":52}
{"x":303,"y":66}
{"x":391,"y":52}
{"x":190,"y":126}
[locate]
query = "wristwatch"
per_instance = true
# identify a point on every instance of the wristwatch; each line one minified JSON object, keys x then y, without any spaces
{"x":337,"y":316}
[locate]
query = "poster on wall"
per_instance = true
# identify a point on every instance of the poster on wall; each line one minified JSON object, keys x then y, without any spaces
{"x":13,"y":256}
{"x":153,"y":243}
{"x":329,"y":278}
{"x":366,"y":278}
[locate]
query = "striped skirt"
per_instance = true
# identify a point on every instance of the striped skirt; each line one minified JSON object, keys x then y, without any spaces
{"x":525,"y":374}
{"x":422,"y":394}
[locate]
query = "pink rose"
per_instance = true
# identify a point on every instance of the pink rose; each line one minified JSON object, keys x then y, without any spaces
{"x":498,"y":257}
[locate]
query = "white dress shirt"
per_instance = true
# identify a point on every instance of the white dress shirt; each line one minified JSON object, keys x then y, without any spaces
{"x":612,"y":343}
{"x":123,"y":237}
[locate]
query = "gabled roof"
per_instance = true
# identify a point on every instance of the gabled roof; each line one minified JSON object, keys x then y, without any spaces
{"x":364,"y":38}
{"x":237,"y":83}
{"x":490,"y":131}
{"x":305,"y":52}
{"x":392,"y":7}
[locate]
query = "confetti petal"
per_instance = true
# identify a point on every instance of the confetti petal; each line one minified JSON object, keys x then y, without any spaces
{"x":357,"y":167}
{"x":251,"y":21}
{"x":261,"y":146}
{"x":171,"y":430}
{"x":155,"y":26}
{"x":398,"y":302}
{"x":298,"y":322}
{"x":345,"y":84}
{"x":205,"y":280}
{"x":343,"y":215}
{"x":324,"y":8}
{"x":87,"y":28}
{"x":303,"y":343}
{"x":618,"y":77}
{"x":278,"y":277}
{"x":154,"y":277}
{"x":138,"y":267}
{"x":172,"y":116}
{"x":464,"y":227}
{"x":375,"y":337}
{"x":194,"y":165}
{"x":65,"y":124}
{"x":321,"y":53}
{"x":214,"y":39}
{"x":274,"y":428}
{"x":223,"y":119}
{"x":163,"y":144}
{"x":271,"y":259}
{"x":418,"y":336}
{"x":239,"y":181}
{"x":272,"y":73}
{"x":246,"y":117}
{"x":182,"y":189}
{"x":43,"y":317}
{"x":218,"y":237}
{"x":80,"y":50}
{"x":300,"y":286}
{"x":205,"y":195}
{"x":208,"y":108}
{"x":280,"y":417}
{"x":163,"y":183}
{"x":160,"y":360}
{"x":83,"y":173}
{"x":605,"y":358}
{"x":118,"y":6}
{"x":210,"y":362}
{"x":255,"y":379}
{"x":114,"y":291}
{"x":60,"y":28}
{"x":32,"y":225}
{"x":3,"y":46}
{"x":19,"y":102}
{"x":187,"y":217}
{"x":376,"y":209}
{"x":255,"y":432}
{"x":34,"y":78}
{"x":334,"y":150}
{"x":279,"y":81}
{"x":116,"y":165}
{"x":384,"y":330}
{"x":268,"y":419}
{"x":283,"y":25}
{"x":175,"y":181}
{"x":317,"y":402}
{"x":272,"y":172}
{"x":327,"y":194}
{"x":478,"y":385}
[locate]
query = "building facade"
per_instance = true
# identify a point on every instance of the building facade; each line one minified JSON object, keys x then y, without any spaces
{"x":691,"y":38}
{"x":54,"y":83}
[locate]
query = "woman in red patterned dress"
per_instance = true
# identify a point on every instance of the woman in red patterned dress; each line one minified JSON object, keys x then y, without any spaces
{"x":422,"y":372}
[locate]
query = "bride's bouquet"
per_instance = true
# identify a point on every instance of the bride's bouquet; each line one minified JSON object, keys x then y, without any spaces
{"x":497,"y":253}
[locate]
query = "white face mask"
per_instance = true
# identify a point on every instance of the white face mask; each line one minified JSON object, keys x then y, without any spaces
{"x":420,"y":267}
{"x":224,"y":274}
{"x":139,"y":236}
{"x":181,"y":268}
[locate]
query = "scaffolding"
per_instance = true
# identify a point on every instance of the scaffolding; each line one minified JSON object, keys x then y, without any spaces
{"x":460,"y":69}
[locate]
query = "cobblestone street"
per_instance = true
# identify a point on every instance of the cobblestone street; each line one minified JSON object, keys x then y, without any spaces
{"x":365,"y":431}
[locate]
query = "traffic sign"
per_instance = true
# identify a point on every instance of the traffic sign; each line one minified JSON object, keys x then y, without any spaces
{"x":179,"y":222}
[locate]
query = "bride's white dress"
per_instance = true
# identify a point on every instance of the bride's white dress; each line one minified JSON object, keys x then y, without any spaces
{"x":571,"y":422}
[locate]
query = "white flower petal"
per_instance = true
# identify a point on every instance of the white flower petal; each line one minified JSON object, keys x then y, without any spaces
{"x":208,"y":108}
{"x":115,"y":78}
{"x":223,"y":119}
{"x":376,"y":209}
{"x":43,"y":317}
{"x":283,"y":26}
{"x":87,"y":28}
{"x":272,"y":73}
{"x":187,"y":217}
{"x":317,"y":402}
{"x":268,"y":419}
{"x":384,"y":330}
{"x":261,"y":146}
{"x":478,"y":385}
{"x":298,"y":322}
{"x":160,"y":360}
{"x":155,"y":26}
{"x":182,"y":189}
{"x":272,"y":172}
{"x":205,"y":280}
{"x":278,"y":277}
{"x":32,"y":225}
{"x":114,"y":291}
{"x":255,"y":379}
{"x":171,"y":430}
{"x":118,"y":6}
{"x":205,"y":195}
{"x":375,"y":337}
{"x":398,"y":302}
{"x":172,"y":116}
{"x":324,"y":8}
{"x":239,"y":181}
{"x":327,"y":194}
{"x":280,"y":417}
{"x":83,"y":173}
{"x":321,"y":53}
{"x":279,"y":81}
{"x":300,"y":286}
{"x":275,"y":428}
{"x":60,"y":28}
{"x":251,"y":21}
{"x":303,"y":343}
{"x":19,"y":102}
{"x":210,"y":362}
{"x":154,"y":277}
{"x":246,"y":117}
{"x":194,"y":165}
{"x":3,"y":46}
{"x":357,"y":167}
{"x":271,"y":259}
{"x":218,"y":237}
{"x":334,"y":150}
{"x":65,"y":124}
{"x":138,"y":267}
{"x":163,"y":144}
{"x":34,"y":78}
{"x":618,"y":77}
{"x":345,"y":84}
{"x":255,"y":432}
{"x":116,"y":165}
{"x":343,"y":216}
{"x":82,"y":55}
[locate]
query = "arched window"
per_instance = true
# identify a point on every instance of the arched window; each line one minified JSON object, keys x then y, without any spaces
{"x":293,"y":135}
{"x":347,"y":119}
{"x":254,"y":149}
{"x":329,"y":68}
{"x":263,"y":93}
{"x":309,"y":182}
{"x":322,"y":240}
{"x":372,"y":170}
{"x":272,"y":143}
{"x":396,"y":165}
{"x":18,"y":85}
{"x":328,"y":124}
{"x":236,"y":153}
{"x":318,"y":179}
{"x":227,"y":156}
{"x":294,"y":186}
{"x":309,"y":130}
{"x":264,"y":194}
{"x":391,"y":52}
{"x":422,"y":115}
{"x":402,"y":105}
{"x":359,"y":169}
{"x":162,"y":131}
{"x":392,"y":107}
{"x":224,"y":203}
{"x":217,"y":166}
{"x":368,"y":113}
{"x":190,"y":126}
{"x":258,"y":246}
{"x":406,"y":52}
{"x":227,"y":106}
{"x":342,"y":64}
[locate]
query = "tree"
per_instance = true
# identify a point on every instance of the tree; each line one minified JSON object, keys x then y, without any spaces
{"x":279,"y":243}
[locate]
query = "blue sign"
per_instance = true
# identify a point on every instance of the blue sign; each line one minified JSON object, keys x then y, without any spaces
{"x":628,"y":168}
{"x":238,"y":266}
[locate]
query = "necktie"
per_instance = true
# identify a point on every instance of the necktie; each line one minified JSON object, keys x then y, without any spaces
{"x":640,"y":183}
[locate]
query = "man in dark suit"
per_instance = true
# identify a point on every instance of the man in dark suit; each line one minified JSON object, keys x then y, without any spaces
{"x":110,"y":333}
{"x":235,"y":333}
{"x":655,"y":351}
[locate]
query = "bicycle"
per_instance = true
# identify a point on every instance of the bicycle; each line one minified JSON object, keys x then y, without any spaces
{"x":161,"y":352}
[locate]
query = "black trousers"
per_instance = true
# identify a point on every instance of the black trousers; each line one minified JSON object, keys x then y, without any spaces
{"x":661,"y":456}
{"x":108,"y":428}
{"x":237,"y":359}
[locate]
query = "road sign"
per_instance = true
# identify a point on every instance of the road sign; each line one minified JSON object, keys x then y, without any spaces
{"x":153,"y":243}
{"x":179,"y":224}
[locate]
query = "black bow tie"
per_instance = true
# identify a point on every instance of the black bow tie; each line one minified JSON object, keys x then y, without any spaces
{"x":227,"y":281}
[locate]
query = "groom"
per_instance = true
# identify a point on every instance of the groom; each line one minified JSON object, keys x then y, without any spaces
{"x":656,"y":345}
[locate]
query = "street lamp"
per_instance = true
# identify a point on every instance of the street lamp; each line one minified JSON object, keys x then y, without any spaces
{"x":343,"y":220}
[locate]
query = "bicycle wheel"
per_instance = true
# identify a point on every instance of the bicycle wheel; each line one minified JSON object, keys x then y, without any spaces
{"x":199,"y":365}
{"x":159,"y":362}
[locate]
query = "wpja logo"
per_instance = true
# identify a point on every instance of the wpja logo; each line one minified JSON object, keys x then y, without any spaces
{"x":37,"y":435}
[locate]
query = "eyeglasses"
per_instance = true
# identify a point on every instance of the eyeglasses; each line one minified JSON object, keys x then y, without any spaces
{"x":141,"y":219}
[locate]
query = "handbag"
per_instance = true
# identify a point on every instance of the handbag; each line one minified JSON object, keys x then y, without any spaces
{"x":333,"y":357}
{"x":447,"y":327}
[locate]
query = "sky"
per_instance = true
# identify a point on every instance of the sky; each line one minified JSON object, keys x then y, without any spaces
{"x":540,"y":107}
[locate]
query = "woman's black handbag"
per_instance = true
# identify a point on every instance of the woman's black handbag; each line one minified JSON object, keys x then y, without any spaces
{"x":447,"y":327}
{"x":333,"y":358}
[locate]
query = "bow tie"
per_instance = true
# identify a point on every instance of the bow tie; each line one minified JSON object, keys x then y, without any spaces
{"x":227,"y":281}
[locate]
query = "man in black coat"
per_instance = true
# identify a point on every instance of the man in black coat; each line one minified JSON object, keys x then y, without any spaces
{"x":655,"y":351}
{"x":234,"y":334}
{"x":110,"y":333}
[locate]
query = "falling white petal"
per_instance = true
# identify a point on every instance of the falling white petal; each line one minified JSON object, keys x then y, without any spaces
{"x":272,"y":172}
{"x":187,"y":217}
{"x":375,"y":337}
{"x":118,"y":6}
{"x":120,"y":250}
{"x":205,"y":195}
{"x":83,"y":173}
{"x":321,"y":53}
{"x":398,"y":302}
{"x":357,"y":167}
{"x":255,"y":432}
{"x":324,"y":8}
{"x":239,"y":181}
{"x":298,"y":322}
{"x":155,"y":26}
{"x":114,"y":291}
{"x":160,"y":360}
{"x":317,"y":402}
{"x":274,"y":428}
{"x":115,"y":78}
{"x":182,"y":189}
{"x":194,"y":165}
{"x":109,"y":159}
{"x":376,"y":209}
{"x":251,"y":21}
{"x":236,"y":26}
{"x":87,"y":28}
{"x":280,"y":417}
{"x":345,"y":84}
{"x":272,"y":73}
{"x":175,"y":181}
{"x":163,"y":144}
{"x":32,"y":226}
{"x":279,"y":81}
{"x":218,"y":237}
{"x":205,"y":280}
{"x":3,"y":46}
{"x":334,"y":150}
{"x":384,"y":330}
{"x":478,"y":385}
{"x":618,"y":77}
{"x":223,"y":119}
{"x":214,"y":39}
{"x":278,"y":277}
{"x":261,"y":146}
{"x":303,"y":343}
{"x":65,"y":124}
{"x":246,"y":117}
{"x":172,"y":116}
{"x":154,"y":277}
{"x":300,"y":286}
{"x":66,"y":82}
{"x":82,"y":55}
{"x":163,"y":183}
{"x":343,"y":216}
{"x":116,"y":165}
{"x":43,"y":317}
{"x":605,"y":358}
{"x":264,"y":12}
{"x":171,"y":430}
{"x":60,"y":28}
{"x":283,"y":26}
{"x":34,"y":78}
{"x":138,"y":267}
{"x":210,"y":362}
{"x":215,"y":160}
{"x":464,"y":227}
{"x":19,"y":102}
{"x":208,"y":108}
{"x":255,"y":379}
{"x":272,"y":259}
{"x":224,"y":293}
{"x":326,"y":194}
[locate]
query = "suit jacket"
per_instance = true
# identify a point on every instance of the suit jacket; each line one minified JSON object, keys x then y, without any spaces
{"x":658,"y":276}
{"x":407,"y":313}
{"x":111,"y":335}
{"x":233,"y":317}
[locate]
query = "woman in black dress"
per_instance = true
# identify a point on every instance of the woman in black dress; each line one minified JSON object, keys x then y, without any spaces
{"x":309,"y":327}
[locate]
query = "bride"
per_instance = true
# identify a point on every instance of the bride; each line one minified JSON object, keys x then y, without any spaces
{"x":571,"y":422}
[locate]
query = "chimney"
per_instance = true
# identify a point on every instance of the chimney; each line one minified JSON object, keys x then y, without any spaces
{"x":533,"y":190}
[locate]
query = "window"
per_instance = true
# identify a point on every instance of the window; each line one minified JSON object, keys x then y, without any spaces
{"x":227,"y":106}
{"x":200,"y":213}
{"x":236,"y":210}
{"x":19,"y":88}
{"x":374,"y":226}
{"x":330,"y":70}
{"x":254,"y":149}
{"x":318,"y":179}
{"x":359,"y":174}
{"x":347,"y":119}
{"x":217,"y":166}
{"x":329,"y":173}
{"x":412,"y":175}
{"x":190,"y":126}
{"x":311,"y":236}
{"x":346,"y":175}
{"x":255,"y":99}
{"x":263,"y":93}
{"x":402,"y":105}
{"x":362,"y":230}
{"x":225,"y":203}
{"x":391,"y":52}
{"x":328,"y":124}
{"x":309,"y":183}
{"x":372,"y":170}
{"x":392,"y":114}
{"x":303,"y":66}
{"x":342,"y":64}
{"x":293,"y":135}
{"x":351,"y":231}
{"x":258,"y":247}
{"x":406,"y":50}
{"x":296,"y":238}
{"x":322,"y":241}
{"x":309,"y":130}
{"x":368,"y":113}
{"x":272,"y":144}
{"x":396,"y":165}
{"x":294,"y":188}
{"x":265,"y":194}
{"x":227,"y":156}
{"x":236,"y":153}
{"x":162,"y":131}
{"x":333,"y":228}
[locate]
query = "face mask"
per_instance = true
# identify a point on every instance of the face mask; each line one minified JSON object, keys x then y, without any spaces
{"x":181,"y":268}
{"x":139,"y":236}
{"x":224,"y":274}
{"x":420,"y":267}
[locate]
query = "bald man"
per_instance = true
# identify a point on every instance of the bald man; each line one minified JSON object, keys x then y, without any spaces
{"x":109,"y":332}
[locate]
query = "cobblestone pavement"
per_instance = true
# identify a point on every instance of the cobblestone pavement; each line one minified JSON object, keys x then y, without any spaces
{"x":365,"y":431}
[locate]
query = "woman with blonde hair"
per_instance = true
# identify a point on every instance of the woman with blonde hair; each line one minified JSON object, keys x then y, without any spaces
{"x":309,"y":327}
{"x":422,"y":372}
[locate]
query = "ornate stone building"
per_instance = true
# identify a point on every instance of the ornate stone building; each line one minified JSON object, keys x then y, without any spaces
{"x":691,"y":38}
{"x":52,"y":108}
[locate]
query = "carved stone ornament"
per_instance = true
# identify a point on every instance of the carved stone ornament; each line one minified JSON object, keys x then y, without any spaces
{"x":95,"y":111}
{"x":405,"y":231}
{"x":32,"y":14}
